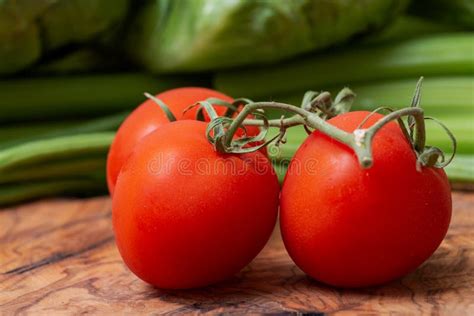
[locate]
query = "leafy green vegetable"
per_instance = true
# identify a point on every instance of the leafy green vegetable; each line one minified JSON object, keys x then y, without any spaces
{"x":197,"y":35}
{"x":406,"y":27}
{"x":58,"y":129}
{"x":436,"y":55}
{"x":79,"y":96}
{"x":457,"y":12}
{"x":461,"y":169}
{"x":69,"y":168}
{"x":20,"y":192}
{"x":69,"y":160}
{"x":50,"y":150}
{"x":446,"y":96}
{"x":10,"y":133}
{"x":79,"y":61}
{"x":29,"y":28}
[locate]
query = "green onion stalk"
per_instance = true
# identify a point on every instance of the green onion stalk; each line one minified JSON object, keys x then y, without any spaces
{"x":28,"y":133}
{"x":62,"y":97}
{"x":73,"y":164}
{"x":16,"y":193}
{"x":433,"y":55}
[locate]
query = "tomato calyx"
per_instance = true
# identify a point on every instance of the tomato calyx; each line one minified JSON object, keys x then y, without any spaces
{"x":427,"y":156}
{"x":315,"y":109}
{"x":312,"y":114}
{"x":314,"y":103}
{"x":322,"y":103}
{"x":216,"y":129}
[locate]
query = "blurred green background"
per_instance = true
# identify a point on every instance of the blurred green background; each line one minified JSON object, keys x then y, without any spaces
{"x":71,"y":70}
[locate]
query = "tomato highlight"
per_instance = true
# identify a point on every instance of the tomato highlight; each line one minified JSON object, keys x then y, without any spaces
{"x":365,"y":200}
{"x":187,"y":216}
{"x":352,"y":227}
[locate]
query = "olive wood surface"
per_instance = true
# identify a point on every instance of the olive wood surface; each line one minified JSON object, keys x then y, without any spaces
{"x":58,"y":257}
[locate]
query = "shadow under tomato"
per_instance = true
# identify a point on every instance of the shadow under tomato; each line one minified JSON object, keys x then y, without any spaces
{"x":273,"y":284}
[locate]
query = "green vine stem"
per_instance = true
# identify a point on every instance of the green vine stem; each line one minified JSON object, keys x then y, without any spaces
{"x":315,"y":109}
{"x":304,"y":117}
{"x":162,"y":106}
{"x":360,"y":141}
{"x":363,"y":138}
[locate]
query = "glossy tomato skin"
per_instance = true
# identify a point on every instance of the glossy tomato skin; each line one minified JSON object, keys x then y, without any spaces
{"x":350,"y":227}
{"x":148,"y":117}
{"x":186,"y":216}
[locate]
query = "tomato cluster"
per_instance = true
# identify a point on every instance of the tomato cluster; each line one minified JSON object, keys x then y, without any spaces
{"x":186,"y":215}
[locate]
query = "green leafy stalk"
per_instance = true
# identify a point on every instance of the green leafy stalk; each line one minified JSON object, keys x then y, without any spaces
{"x":436,"y":55}
{"x":15,"y":193}
{"x":456,"y":12}
{"x":442,"y":96}
{"x":461,"y":169}
{"x":70,"y":168}
{"x":19,"y":131}
{"x":47,"y":150}
{"x":406,"y":27}
{"x":19,"y":135}
{"x":78,"y":96}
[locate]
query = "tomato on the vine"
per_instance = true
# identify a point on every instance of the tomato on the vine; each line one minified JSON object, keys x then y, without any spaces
{"x":348,"y":226}
{"x":148,"y":117}
{"x":185,"y":215}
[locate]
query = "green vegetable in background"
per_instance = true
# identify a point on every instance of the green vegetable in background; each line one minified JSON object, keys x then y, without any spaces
{"x":450,"y":99}
{"x":80,"y":61}
{"x":197,"y":35}
{"x":55,"y":149}
{"x":79,"y":96}
{"x":16,"y":136}
{"x":461,"y":170}
{"x":30,"y":28}
{"x":70,"y":168}
{"x":434,"y":55}
{"x":69,"y":160}
{"x":47,"y":148}
{"x":446,"y":96}
{"x":406,"y":27}
{"x":457,"y":12}
{"x":61,"y":165}
{"x":16,"y":193}
{"x":12,"y":132}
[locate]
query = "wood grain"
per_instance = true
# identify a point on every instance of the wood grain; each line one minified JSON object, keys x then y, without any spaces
{"x":58,"y":257}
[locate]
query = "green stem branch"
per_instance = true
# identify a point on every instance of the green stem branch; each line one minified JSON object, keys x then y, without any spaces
{"x":308,"y":118}
{"x":360,"y":141}
{"x":364,"y":137}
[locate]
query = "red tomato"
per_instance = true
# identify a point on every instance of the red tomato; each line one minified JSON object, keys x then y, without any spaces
{"x":351,"y":227}
{"x":186,"y":216}
{"x":149,"y":116}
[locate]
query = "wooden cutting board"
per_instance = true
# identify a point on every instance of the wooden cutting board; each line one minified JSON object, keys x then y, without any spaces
{"x":59,"y":256}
